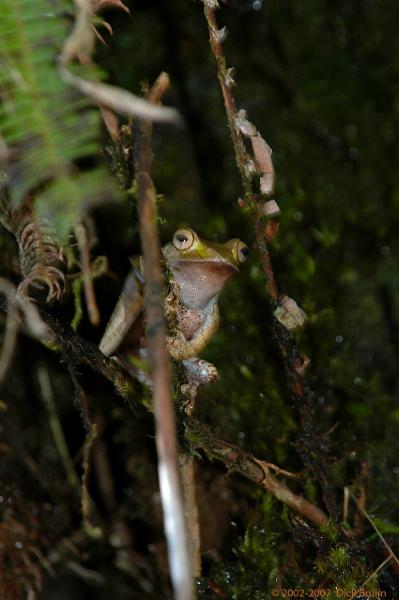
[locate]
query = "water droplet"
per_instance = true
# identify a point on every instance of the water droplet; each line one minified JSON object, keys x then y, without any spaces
{"x":339,"y":339}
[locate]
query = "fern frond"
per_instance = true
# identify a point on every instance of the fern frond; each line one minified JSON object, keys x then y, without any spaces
{"x":48,"y":126}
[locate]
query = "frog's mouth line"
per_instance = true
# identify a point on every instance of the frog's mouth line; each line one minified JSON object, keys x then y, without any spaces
{"x":216,"y":265}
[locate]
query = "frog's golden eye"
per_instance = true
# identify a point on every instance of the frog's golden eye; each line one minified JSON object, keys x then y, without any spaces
{"x":183,"y":239}
{"x":242,"y":251}
{"x":239,"y":249}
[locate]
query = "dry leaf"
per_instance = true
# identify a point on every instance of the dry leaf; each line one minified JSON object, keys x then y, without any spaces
{"x":229,"y":79}
{"x":271,"y":230}
{"x":266,"y":184}
{"x":220,"y":34}
{"x":80,"y":45}
{"x":271,"y":209}
{"x":212,"y":4}
{"x":301,"y":363}
{"x":289,"y":314}
{"x":263,"y":157}
{"x":243,"y":125}
{"x":249,"y":167}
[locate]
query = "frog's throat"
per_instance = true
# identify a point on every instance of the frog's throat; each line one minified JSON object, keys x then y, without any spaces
{"x":200,"y":281}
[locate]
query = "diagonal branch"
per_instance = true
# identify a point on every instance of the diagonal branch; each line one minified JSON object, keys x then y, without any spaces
{"x":78,"y":351}
{"x":236,"y":459}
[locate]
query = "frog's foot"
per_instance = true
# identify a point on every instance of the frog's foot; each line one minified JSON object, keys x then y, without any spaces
{"x":200,"y":371}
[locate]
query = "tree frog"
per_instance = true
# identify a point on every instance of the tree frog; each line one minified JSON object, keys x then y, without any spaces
{"x":199,"y":271}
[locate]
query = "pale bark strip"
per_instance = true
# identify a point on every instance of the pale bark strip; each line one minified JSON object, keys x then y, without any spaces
{"x":165,"y":426}
{"x":187,"y":472}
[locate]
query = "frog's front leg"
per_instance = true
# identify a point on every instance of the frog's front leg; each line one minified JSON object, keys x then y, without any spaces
{"x":181,"y":348}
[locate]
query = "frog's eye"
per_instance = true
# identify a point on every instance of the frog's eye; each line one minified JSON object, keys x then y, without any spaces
{"x":239,"y":249}
{"x":242,"y":251}
{"x":183,"y":239}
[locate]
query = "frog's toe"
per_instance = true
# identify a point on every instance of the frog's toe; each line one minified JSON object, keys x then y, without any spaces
{"x":201,"y":371}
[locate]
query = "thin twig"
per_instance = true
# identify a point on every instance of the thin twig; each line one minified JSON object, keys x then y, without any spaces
{"x":374,"y":526}
{"x":91,"y":302}
{"x":34,"y":325}
{"x":103,"y":468}
{"x":310,"y":446}
{"x":374,"y":573}
{"x":80,"y":44}
{"x":171,"y":493}
{"x":10,"y":335}
{"x":86,"y":501}
{"x":272,"y":467}
{"x":47,"y":395}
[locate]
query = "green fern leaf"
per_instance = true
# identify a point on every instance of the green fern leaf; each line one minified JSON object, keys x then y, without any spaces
{"x":48,"y":127}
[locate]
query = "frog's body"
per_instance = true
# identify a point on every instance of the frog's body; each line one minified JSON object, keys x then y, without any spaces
{"x":199,"y":271}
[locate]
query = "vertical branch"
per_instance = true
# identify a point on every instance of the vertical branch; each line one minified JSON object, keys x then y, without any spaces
{"x":165,"y":426}
{"x":242,"y":158}
{"x":91,"y":302}
{"x":262,"y":207}
{"x":87,"y":504}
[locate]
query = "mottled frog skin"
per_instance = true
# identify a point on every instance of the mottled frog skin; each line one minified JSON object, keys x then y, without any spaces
{"x":199,"y":271}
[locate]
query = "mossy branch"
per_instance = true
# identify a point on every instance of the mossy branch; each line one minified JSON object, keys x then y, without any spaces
{"x":200,"y":437}
{"x":261,"y":205}
{"x":80,"y":351}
